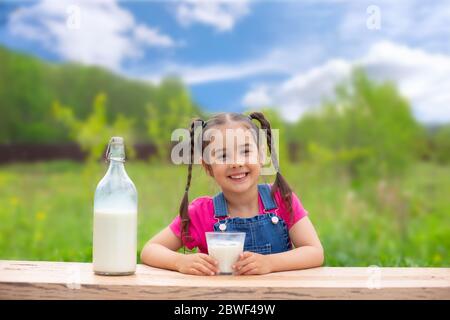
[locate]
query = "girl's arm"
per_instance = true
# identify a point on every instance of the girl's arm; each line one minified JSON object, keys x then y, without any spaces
{"x":161,"y":252}
{"x":308,"y":252}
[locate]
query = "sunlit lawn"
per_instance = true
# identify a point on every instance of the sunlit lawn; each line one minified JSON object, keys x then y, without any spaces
{"x":46,"y":211}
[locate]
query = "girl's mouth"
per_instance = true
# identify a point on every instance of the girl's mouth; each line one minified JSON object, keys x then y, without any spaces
{"x":239,"y":177}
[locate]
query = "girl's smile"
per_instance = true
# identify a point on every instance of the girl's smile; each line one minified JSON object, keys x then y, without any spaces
{"x":239,"y":177}
{"x":236,"y":177}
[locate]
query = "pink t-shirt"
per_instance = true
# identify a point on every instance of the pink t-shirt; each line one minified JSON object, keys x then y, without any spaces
{"x":201,"y":213}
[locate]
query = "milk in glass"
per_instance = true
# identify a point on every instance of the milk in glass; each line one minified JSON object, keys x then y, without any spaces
{"x":225,"y":247}
{"x":226,"y":253}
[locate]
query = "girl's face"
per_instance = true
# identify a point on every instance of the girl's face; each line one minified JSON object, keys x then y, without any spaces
{"x":233,"y":157}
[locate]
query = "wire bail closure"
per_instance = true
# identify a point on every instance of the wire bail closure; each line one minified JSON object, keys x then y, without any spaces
{"x":118,"y":140}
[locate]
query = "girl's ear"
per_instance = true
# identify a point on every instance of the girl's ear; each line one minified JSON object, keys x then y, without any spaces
{"x":207,"y":168}
{"x":262,"y":156}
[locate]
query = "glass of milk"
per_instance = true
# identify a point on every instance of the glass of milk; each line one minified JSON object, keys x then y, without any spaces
{"x":115,"y":217}
{"x":226,"y":248}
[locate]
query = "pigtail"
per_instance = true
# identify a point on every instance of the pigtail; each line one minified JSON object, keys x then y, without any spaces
{"x":280,"y":183}
{"x":184,"y":215}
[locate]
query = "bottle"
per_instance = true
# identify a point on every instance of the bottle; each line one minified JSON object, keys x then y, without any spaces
{"x":115,"y":217}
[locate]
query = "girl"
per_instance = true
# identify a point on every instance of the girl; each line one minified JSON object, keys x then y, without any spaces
{"x":271,"y":215}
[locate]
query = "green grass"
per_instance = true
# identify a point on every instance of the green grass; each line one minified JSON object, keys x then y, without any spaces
{"x":46,"y":211}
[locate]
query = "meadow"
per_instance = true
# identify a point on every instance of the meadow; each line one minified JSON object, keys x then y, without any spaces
{"x":46,"y":210}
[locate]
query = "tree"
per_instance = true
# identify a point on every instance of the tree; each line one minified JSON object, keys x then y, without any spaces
{"x":368,"y":129}
{"x":29,"y":86}
{"x":93,"y":133}
{"x":441,"y":144}
{"x":173,"y":108}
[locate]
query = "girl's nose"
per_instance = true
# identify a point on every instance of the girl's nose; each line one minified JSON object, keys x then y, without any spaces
{"x":236,"y":164}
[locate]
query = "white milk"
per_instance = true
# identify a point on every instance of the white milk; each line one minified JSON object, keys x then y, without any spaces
{"x":226,"y":253}
{"x":115,"y":237}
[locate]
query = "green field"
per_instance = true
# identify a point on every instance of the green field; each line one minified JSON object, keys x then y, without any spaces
{"x":46,"y":211}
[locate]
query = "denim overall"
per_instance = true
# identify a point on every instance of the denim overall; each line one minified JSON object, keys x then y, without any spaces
{"x":266,"y":233}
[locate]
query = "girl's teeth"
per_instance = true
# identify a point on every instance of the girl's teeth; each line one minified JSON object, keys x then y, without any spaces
{"x":238,"y":176}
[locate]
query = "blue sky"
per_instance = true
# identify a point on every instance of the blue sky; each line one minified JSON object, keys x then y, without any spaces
{"x":248,"y":54}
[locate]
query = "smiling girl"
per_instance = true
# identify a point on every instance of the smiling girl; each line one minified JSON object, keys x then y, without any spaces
{"x":279,"y":234}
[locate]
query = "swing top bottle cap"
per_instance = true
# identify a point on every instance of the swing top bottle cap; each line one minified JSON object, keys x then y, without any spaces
{"x":116,"y":149}
{"x":116,"y":140}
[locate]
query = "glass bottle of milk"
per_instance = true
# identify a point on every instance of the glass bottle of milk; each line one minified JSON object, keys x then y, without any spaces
{"x":115,"y":217}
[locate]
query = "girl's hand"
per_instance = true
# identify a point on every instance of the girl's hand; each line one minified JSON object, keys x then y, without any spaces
{"x":197,"y":264}
{"x":252,"y":263}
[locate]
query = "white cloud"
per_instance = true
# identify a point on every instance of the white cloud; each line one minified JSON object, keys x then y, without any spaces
{"x":220,"y":14}
{"x":152,"y":37}
{"x":276,"y":62}
{"x":422,"y":77}
{"x":258,"y":96}
{"x":194,"y":75}
{"x":92,"y":32}
{"x":300,"y":92}
{"x":415,"y":20}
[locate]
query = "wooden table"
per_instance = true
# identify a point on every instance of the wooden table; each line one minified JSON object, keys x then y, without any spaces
{"x":73,"y":280}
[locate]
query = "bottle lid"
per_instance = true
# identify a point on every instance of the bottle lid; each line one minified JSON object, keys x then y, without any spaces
{"x":117,"y":146}
{"x":116,"y":140}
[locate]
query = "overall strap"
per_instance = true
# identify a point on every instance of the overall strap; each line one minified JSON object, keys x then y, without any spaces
{"x":220,"y":206}
{"x":266,"y":197}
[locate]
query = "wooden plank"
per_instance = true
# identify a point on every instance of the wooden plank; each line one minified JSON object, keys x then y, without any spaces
{"x":73,"y":280}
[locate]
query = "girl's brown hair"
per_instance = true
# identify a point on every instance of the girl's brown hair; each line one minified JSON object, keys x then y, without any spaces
{"x":220,"y":119}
